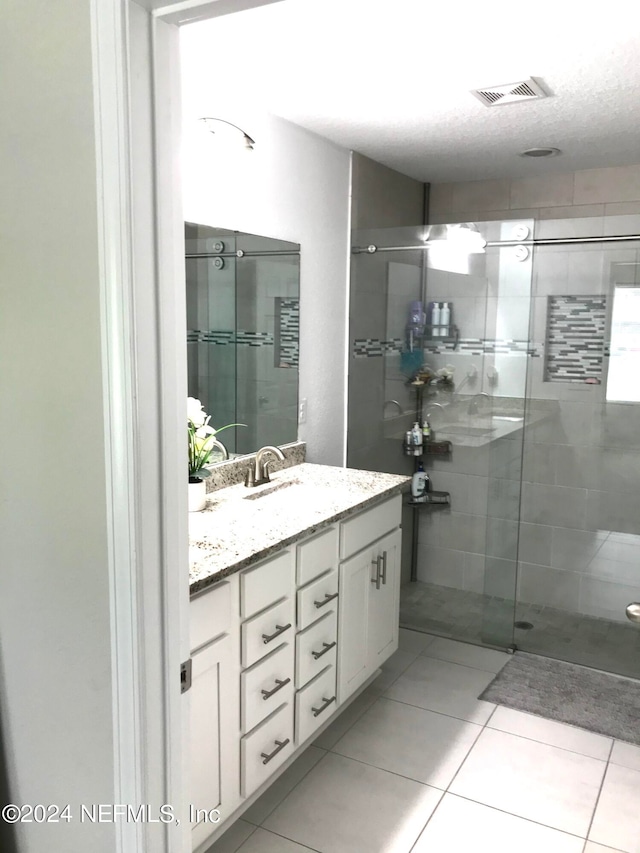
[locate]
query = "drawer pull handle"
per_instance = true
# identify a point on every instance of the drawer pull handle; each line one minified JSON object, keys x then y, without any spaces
{"x":267,"y":694}
{"x":384,"y":567}
{"x":376,"y":563}
{"x":326,"y":648}
{"x":323,"y":707}
{"x":266,"y":756}
{"x":327,"y":598}
{"x":280,"y":629}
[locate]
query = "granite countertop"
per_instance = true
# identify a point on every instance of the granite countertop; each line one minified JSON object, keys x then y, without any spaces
{"x":241,"y":526}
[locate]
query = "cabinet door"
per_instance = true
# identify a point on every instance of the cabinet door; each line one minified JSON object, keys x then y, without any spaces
{"x":384,"y":600}
{"x":356,"y":575}
{"x":214,"y":760}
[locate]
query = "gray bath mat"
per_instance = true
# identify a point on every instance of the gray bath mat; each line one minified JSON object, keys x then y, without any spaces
{"x":602,"y":703}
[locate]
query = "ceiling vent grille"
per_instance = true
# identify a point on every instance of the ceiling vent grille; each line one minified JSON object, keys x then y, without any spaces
{"x":509,"y":93}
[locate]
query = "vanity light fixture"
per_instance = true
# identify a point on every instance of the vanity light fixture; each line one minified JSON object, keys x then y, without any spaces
{"x":210,"y":125}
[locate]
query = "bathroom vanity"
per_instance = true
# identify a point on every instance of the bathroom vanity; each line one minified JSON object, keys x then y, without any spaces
{"x":295,"y":602}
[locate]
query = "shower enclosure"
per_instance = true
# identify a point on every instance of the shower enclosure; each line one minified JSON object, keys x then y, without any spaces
{"x":539,"y":548}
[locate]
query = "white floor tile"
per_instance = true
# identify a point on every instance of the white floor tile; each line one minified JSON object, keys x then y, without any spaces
{"x":266,"y":842}
{"x":532,"y":780}
{"x":415,"y":743}
{"x":462,"y":826}
{"x":444,"y":687}
{"x":414,"y":641}
{"x":332,"y":734}
{"x":233,"y":837}
{"x":626,"y":754}
{"x":467,"y":654}
{"x":343,"y":806}
{"x":598,"y":848}
{"x":279,"y":789}
{"x":393,"y":667}
{"x":617,"y":819}
{"x":550,"y":732}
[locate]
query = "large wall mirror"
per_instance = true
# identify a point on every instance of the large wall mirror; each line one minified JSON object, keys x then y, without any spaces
{"x":243,"y":334}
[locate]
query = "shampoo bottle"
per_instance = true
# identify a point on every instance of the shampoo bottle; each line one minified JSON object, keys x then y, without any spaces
{"x":419,"y":484}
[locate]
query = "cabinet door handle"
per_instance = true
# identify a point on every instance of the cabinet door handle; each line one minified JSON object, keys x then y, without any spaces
{"x":326,"y":648}
{"x":266,"y":756}
{"x":267,"y":694}
{"x":376,"y":580}
{"x":327,"y":598}
{"x":325,"y":704}
{"x":280,"y":629}
{"x":384,"y":567}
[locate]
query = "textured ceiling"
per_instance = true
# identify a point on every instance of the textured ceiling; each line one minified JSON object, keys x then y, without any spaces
{"x":391,"y":80}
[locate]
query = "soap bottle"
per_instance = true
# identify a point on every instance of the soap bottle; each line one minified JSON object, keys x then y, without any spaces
{"x":426,"y":431}
{"x":445,"y":319}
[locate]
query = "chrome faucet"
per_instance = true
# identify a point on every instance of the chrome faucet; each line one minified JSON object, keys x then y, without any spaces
{"x":258,"y":473}
{"x":473,"y":407}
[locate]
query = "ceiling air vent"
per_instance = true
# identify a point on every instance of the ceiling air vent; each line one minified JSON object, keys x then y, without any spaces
{"x":509,"y":93}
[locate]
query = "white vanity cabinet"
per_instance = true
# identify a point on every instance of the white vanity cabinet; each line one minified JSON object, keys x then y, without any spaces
{"x":280,"y":645}
{"x":368,"y":622}
{"x":214,"y":703}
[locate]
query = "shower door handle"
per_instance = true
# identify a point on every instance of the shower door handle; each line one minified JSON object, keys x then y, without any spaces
{"x":633,"y":611}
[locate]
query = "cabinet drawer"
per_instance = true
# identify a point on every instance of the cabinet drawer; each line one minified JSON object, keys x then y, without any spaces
{"x":316,"y":598}
{"x":317,"y":555}
{"x":369,"y":525}
{"x":266,"y":583}
{"x":210,"y":614}
{"x":265,"y":749}
{"x":267,"y":685}
{"x":316,"y":648}
{"x":267,"y":631}
{"x":315,"y":703}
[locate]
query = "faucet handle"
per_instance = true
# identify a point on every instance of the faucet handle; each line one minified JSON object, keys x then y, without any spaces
{"x":249,"y":478}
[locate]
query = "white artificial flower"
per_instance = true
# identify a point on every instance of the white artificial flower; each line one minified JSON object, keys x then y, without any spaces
{"x":195,"y":412}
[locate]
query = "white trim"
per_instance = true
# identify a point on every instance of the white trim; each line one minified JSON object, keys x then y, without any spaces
{"x":111,"y":108}
{"x":188,"y":11}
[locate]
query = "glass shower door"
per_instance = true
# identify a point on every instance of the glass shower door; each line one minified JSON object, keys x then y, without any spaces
{"x":579,"y":555}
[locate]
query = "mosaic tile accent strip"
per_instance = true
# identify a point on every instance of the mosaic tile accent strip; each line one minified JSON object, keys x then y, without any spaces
{"x":575,"y":345}
{"x":252,"y":339}
{"x":287,"y":336}
{"x":373,"y":347}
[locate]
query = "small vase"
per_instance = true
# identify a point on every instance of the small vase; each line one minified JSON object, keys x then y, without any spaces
{"x":197,"y":496}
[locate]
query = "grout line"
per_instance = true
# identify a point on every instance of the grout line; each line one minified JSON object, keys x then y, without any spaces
{"x":553,"y":745}
{"x":431,"y":710}
{"x":212,"y":848}
{"x":595,"y":805}
{"x":390,"y":772}
{"x":280,"y":802}
{"x":468,"y":665}
{"x":520,"y":817}
{"x":286,"y":837}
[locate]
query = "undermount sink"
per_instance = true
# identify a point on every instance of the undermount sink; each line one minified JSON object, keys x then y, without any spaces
{"x":261,"y":492}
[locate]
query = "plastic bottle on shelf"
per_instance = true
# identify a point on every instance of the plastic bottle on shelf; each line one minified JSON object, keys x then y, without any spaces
{"x":445,"y":319}
{"x":426,"y":431}
{"x":416,"y":439}
{"x":435,"y":319}
{"x":419,"y":484}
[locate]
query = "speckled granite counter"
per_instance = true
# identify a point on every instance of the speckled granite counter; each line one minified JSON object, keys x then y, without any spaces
{"x":241,"y":526}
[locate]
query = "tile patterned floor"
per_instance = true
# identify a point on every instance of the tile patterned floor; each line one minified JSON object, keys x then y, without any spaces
{"x":419,"y":765}
{"x":475,"y":618}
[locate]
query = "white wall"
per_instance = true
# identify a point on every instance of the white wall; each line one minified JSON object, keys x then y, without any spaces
{"x":294,"y":186}
{"x":55,"y":654}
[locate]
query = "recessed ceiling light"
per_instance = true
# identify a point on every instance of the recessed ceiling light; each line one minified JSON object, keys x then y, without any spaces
{"x":541,"y":152}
